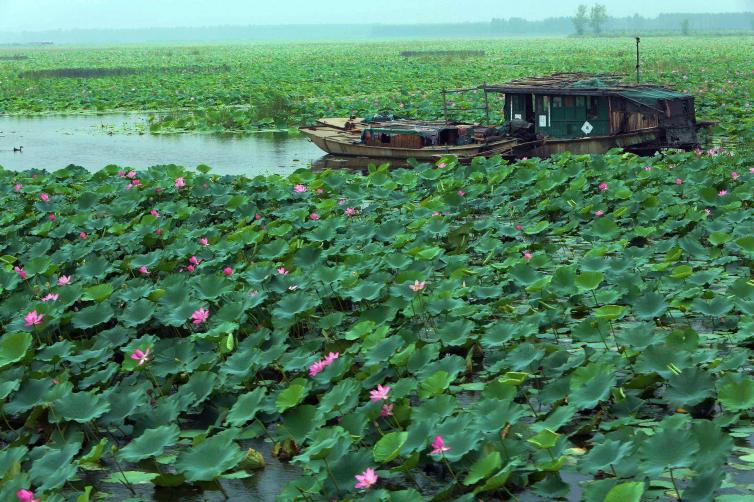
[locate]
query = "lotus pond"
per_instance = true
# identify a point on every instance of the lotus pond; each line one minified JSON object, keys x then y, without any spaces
{"x":258,"y":86}
{"x":573,"y":327}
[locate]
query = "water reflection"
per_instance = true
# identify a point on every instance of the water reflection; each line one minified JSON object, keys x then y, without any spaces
{"x":94,"y":141}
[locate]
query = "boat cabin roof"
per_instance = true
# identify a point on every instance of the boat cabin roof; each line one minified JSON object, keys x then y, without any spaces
{"x":413,"y":126}
{"x":586,"y":84}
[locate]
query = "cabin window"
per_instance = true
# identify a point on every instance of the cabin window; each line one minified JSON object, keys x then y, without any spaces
{"x":568,"y":101}
{"x":385,"y":138}
{"x":593,"y":108}
{"x":557,"y":102}
{"x":580,"y":101}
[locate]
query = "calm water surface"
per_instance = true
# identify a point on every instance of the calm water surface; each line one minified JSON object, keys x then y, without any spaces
{"x":53,"y":142}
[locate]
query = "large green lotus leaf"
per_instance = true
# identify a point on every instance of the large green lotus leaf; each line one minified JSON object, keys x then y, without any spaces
{"x":366,"y":290}
{"x":10,"y":381}
{"x":300,"y":422}
{"x":589,"y":280}
{"x":81,"y":407}
{"x":609,"y":312}
{"x":131,"y":477}
{"x":246,"y":407}
{"x":11,"y":457}
{"x":715,"y":446}
{"x":736,"y":394}
{"x":51,"y":467}
{"x":626,"y":492}
{"x":98,"y":293}
{"x":389,"y":446}
{"x":650,"y":306}
{"x":151,"y":443}
{"x":210,"y":458}
{"x":177,"y":316}
{"x":38,"y":265}
{"x":590,"y":384}
{"x":137,"y":313}
{"x":717,"y":307}
{"x":92,"y":316}
{"x":273,"y":249}
{"x":211,"y":287}
{"x":455,"y":332}
{"x":605,"y":455}
{"x":690,"y":387}
{"x":483,"y":468}
{"x":293,"y":304}
{"x":31,"y":393}
{"x":13,"y":347}
{"x":672,"y":446}
{"x":290,"y":397}
{"x":96,"y":267}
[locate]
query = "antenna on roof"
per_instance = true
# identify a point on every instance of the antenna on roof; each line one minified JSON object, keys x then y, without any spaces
{"x":638,"y":64}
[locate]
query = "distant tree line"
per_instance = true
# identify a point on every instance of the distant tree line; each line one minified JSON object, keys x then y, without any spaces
{"x":587,"y":20}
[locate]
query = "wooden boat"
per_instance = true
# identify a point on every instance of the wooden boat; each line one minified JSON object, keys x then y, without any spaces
{"x":399,"y":140}
{"x":574,"y":112}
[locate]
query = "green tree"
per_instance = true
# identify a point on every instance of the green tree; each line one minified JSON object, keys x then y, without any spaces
{"x":597,"y":17}
{"x":581,"y":19}
{"x":685,"y":27}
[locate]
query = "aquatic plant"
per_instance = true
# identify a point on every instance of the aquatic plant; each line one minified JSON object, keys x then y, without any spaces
{"x":430,"y":345}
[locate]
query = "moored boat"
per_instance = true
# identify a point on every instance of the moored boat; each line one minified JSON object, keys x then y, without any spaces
{"x":574,"y":112}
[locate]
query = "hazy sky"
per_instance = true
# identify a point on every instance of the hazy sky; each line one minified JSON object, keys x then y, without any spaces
{"x":18,"y":15}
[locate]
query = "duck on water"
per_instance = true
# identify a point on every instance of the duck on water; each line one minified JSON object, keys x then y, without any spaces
{"x":577,"y":112}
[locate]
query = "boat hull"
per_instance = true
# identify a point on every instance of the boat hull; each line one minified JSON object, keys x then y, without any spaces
{"x":343,"y":143}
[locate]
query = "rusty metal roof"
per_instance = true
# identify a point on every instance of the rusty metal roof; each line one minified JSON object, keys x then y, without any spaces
{"x":581,"y":84}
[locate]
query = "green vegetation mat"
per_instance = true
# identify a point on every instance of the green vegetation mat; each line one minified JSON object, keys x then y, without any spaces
{"x":262,"y":86}
{"x":545,"y":328}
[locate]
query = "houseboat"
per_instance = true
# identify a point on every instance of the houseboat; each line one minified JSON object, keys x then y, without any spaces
{"x":576,"y":112}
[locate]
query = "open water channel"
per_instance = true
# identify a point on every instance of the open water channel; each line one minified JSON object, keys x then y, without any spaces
{"x":95,"y":141}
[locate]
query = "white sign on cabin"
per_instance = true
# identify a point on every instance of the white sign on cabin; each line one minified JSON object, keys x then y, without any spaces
{"x":587,"y":127}
{"x":543,"y":121}
{"x":517,"y":116}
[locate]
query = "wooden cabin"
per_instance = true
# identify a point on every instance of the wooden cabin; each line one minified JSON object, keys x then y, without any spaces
{"x":578,"y":105}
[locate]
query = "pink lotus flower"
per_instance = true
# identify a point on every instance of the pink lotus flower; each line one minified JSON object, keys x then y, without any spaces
{"x":723,"y":193}
{"x":143,"y":270}
{"x":82,"y":235}
{"x":350,"y":211}
{"x":228,"y":271}
{"x":158,"y":231}
{"x":44,"y":197}
{"x":316,"y":368}
{"x":647,"y":168}
{"x":282,"y":271}
{"x":194,"y":260}
{"x":314,"y":216}
{"x":678,"y":181}
{"x":204,"y":241}
{"x":26,"y":496}
{"x":603,"y":187}
{"x":64,"y":280}
{"x":438,"y":446}
{"x":121,"y":174}
{"x":417,"y":286}
{"x":379,"y":394}
{"x":200,"y":316}
{"x":18,"y":187}
{"x":341,"y":202}
{"x":140,"y":356}
{"x":751,"y":170}
{"x":191,"y":268}
{"x":735,"y":175}
{"x":442,"y":165}
{"x":158,"y":190}
{"x":366,"y":479}
{"x":33,"y":319}
{"x":136,"y":183}
{"x":21,"y":272}
{"x":52,"y":217}
{"x":257,"y":216}
{"x":131,"y":174}
{"x":320,"y":190}
{"x":527,"y":255}
{"x":299,"y":188}
{"x":154,"y":213}
{"x":51,"y":297}
{"x":180,"y":183}
{"x":599,"y":213}
{"x":519,"y":227}
{"x":461,"y":193}
{"x":387,"y":410}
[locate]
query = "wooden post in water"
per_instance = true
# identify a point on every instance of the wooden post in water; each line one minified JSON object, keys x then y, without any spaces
{"x":445,"y":104}
{"x":638,"y":40}
{"x":486,"y":105}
